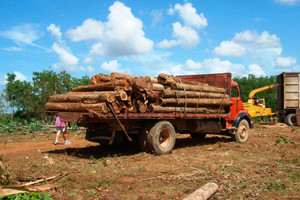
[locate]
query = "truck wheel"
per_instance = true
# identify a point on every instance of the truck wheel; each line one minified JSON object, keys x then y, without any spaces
{"x":291,"y":119}
{"x":198,"y":136}
{"x":243,"y":132}
{"x":161,"y":138}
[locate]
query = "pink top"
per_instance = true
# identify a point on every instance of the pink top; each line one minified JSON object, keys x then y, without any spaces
{"x":58,"y":123}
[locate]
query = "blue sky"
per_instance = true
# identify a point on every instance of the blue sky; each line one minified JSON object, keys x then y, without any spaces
{"x":149,"y":37}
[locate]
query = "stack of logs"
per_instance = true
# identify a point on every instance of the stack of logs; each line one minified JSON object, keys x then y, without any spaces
{"x":129,"y":94}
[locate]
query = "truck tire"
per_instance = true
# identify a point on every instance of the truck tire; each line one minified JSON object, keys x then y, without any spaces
{"x":242,"y":133}
{"x":291,"y":119}
{"x":198,"y":136}
{"x":161,"y":138}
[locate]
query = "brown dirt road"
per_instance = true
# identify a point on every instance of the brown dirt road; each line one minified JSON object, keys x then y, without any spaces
{"x":265,"y":167}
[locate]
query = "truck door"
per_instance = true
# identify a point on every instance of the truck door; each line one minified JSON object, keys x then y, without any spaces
{"x":237,"y":103}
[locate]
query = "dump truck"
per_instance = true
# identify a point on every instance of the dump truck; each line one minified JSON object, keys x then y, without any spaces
{"x":154,"y":127}
{"x":288,"y":97}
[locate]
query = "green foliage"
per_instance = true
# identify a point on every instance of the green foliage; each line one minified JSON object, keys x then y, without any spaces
{"x":277,"y":186}
{"x":27,"y":99}
{"x":247,"y":84}
{"x":29,"y":196}
{"x":35,"y":125}
{"x":283,"y":140}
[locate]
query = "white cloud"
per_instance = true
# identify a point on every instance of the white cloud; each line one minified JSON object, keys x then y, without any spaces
{"x":288,"y":2}
{"x":253,"y":39}
{"x":157,"y":17}
{"x":189,"y":15}
{"x":256,"y":70}
{"x":190,"y":64}
{"x":87,"y":60}
{"x":230,"y":48}
{"x":113,"y":66}
{"x":12,"y":49}
{"x":215,"y":65}
{"x":19,"y":76}
{"x":55,"y":31}
{"x":185,"y":37}
{"x":89,"y":30}
{"x":121,"y":35}
{"x":285,"y":61}
{"x":25,"y":34}
{"x":67,"y":61}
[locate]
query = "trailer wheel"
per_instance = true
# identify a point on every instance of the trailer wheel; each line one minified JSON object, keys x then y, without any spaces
{"x":243,"y":132}
{"x":198,"y":136}
{"x":291,"y":119}
{"x":162,"y":138}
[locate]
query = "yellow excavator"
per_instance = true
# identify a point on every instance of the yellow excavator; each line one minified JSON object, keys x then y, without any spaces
{"x":256,"y":106}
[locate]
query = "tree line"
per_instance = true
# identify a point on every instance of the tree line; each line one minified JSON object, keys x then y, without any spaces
{"x":249,"y":83}
{"x":26,"y":100}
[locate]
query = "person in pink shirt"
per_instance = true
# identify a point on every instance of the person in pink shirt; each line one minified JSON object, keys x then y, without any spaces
{"x":60,"y":127}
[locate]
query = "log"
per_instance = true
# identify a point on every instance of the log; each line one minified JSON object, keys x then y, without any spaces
{"x":122,"y":96}
{"x":152,"y":95}
{"x":115,"y":107}
{"x":203,"y":193}
{"x":159,"y":109}
{"x":155,"y":86}
{"x":190,"y":94}
{"x":202,"y":88}
{"x":115,"y":75}
{"x":109,"y":86}
{"x":142,"y":106}
{"x":75,"y":107}
{"x":98,"y":79}
{"x":149,"y":79}
{"x":168,"y":80}
{"x":194,"y":102}
{"x":81,"y":97}
{"x":138,"y":83}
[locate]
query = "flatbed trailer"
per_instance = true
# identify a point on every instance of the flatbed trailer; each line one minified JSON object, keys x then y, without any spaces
{"x":156,"y":132}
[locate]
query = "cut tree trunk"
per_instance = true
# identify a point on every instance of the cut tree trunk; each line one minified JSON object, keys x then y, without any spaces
{"x":194,"y":102}
{"x":151,"y":79}
{"x":155,"y":86}
{"x":81,"y":97}
{"x":160,"y":109}
{"x":198,"y":88}
{"x":98,"y":79}
{"x":190,"y":94}
{"x":142,"y":106}
{"x":75,"y":107}
{"x":109,"y":86}
{"x":115,"y":75}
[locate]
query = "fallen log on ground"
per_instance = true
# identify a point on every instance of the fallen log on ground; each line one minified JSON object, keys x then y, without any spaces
{"x":203,"y":193}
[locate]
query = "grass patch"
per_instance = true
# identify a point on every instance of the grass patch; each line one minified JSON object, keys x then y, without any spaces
{"x":282,"y":140}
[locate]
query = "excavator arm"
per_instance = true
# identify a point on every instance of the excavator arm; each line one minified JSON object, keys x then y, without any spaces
{"x":253,"y":92}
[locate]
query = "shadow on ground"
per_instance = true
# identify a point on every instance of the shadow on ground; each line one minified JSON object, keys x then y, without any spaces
{"x":103,"y":151}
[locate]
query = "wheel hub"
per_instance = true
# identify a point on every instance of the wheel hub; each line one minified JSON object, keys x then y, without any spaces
{"x":164,"y":139}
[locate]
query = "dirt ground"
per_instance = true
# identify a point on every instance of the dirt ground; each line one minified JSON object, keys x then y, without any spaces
{"x":265,"y":167}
